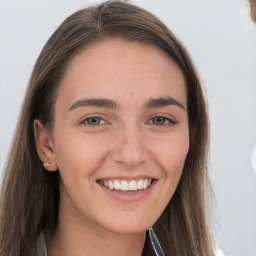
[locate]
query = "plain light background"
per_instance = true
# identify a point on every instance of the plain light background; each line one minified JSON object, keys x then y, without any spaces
{"x":221,"y":38}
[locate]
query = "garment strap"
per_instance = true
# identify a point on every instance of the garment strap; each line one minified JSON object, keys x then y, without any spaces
{"x":155,"y":243}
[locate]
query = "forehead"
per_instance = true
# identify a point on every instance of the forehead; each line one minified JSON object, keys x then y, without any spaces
{"x":117,"y":69}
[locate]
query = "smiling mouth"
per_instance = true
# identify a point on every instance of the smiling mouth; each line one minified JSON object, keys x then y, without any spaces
{"x":125,"y":186}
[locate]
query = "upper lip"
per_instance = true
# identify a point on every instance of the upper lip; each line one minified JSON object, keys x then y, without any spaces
{"x":126,"y":184}
{"x":128,"y":178}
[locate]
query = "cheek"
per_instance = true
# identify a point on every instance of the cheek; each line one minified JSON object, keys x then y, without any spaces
{"x":171,"y":154}
{"x":79,"y":153}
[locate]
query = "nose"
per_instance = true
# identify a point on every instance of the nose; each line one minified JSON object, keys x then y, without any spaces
{"x":129,"y":149}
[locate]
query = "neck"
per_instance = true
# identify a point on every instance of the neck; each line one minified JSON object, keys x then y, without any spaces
{"x":76,"y":237}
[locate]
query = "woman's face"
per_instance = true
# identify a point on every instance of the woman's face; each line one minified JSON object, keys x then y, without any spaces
{"x":120,"y":135}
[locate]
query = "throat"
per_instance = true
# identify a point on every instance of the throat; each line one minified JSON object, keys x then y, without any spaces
{"x":70,"y":243}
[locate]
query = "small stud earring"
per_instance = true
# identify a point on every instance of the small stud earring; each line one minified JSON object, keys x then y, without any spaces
{"x":46,"y":165}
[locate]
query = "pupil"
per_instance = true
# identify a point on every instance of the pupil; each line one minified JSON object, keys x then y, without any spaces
{"x":158,"y":120}
{"x":94,"y":121}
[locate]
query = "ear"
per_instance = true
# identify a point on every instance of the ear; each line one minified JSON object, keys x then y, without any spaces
{"x":44,"y":146}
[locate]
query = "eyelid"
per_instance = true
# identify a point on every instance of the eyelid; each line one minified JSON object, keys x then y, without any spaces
{"x":168,"y":117}
{"x":83,"y":120}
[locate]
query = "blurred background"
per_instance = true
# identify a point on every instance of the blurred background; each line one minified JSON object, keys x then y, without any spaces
{"x":221,"y":37}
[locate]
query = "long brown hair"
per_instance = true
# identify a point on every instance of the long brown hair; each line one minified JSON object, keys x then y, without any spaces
{"x":30,"y":194}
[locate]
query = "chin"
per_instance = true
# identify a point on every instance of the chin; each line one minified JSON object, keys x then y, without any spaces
{"x":129,"y":225}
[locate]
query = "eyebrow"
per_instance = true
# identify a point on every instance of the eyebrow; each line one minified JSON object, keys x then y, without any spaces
{"x":161,"y":102}
{"x":104,"y":103}
{"x":110,"y":104}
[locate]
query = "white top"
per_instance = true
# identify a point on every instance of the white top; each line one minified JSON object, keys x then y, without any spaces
{"x":41,"y":246}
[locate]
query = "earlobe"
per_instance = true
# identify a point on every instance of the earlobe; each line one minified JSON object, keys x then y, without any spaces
{"x":52,"y":167}
{"x":44,"y":146}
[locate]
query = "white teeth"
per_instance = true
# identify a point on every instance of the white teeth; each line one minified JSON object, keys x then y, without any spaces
{"x":125,"y":185}
{"x":110,"y":184}
{"x":105,"y":183}
{"x":117,"y":185}
{"x":140,"y":184}
{"x":132,"y":185}
{"x":145,"y":184}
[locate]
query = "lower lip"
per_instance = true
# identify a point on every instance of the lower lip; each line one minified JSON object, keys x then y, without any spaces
{"x":129,"y":197}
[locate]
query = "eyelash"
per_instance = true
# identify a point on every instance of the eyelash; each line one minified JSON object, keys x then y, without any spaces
{"x":150,"y":121}
{"x":86,"y":121}
{"x":164,"y":118}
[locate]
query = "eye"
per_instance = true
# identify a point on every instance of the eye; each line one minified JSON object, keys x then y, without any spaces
{"x":161,"y":120}
{"x":94,"y":121}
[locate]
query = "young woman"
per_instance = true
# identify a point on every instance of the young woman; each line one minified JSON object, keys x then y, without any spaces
{"x":110,"y":149}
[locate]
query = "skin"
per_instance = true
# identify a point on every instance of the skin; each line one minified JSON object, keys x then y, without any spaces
{"x":128,"y":142}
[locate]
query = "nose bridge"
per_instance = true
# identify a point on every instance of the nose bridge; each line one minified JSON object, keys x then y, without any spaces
{"x":130,"y":147}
